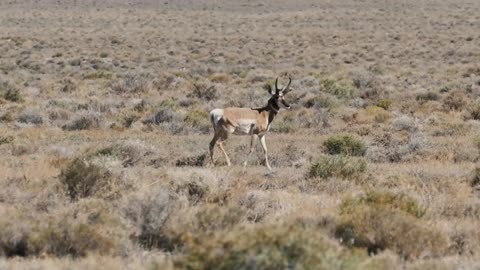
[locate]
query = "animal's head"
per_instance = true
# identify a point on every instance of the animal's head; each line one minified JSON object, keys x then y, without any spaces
{"x":277,"y":100}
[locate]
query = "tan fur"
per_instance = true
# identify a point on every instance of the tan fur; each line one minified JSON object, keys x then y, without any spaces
{"x":233,"y":115}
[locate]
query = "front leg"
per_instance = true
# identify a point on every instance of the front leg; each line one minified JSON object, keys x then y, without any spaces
{"x":264,"y":146}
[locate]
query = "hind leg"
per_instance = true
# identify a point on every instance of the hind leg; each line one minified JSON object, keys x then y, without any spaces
{"x":223,"y":138}
{"x":211,"y":147}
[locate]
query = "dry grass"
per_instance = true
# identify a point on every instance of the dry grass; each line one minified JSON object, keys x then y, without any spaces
{"x":104,"y":135}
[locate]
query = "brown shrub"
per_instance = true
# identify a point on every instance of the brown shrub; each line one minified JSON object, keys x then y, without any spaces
{"x":83,"y":179}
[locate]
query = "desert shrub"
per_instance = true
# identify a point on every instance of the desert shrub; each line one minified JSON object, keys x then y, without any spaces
{"x":405,"y":123}
{"x":388,"y":200}
{"x":164,"y":115}
{"x":131,"y":84}
{"x":76,"y":230}
{"x":338,"y":166}
{"x":427,"y":96}
{"x":363,"y":79}
{"x":69,"y":85}
{"x":98,"y":75}
{"x":203,"y":91}
{"x":265,"y":247}
{"x":283,"y":125}
{"x":381,"y":224}
{"x":127,"y":119}
{"x":219,"y":78}
{"x":340,"y":90}
{"x":456,"y":100}
{"x":84,"y":121}
{"x":148,"y":211}
{"x":475,"y":177}
{"x":346,"y":145}
{"x":197,"y":118}
{"x":30,"y":117}
{"x":384,"y":103}
{"x":320,"y":101}
{"x":129,"y":152}
{"x":83,"y":179}
{"x":6,"y":139}
{"x":9,"y":92}
{"x":75,"y":62}
{"x":195,"y":161}
{"x":473,"y":111}
{"x":379,"y":114}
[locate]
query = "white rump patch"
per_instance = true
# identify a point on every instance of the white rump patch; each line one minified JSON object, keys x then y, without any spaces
{"x":216,"y":115}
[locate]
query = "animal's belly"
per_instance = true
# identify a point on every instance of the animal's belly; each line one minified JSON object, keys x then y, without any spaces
{"x":245,"y":127}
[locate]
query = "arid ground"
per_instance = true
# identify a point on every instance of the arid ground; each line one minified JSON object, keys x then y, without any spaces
{"x":104,"y":134}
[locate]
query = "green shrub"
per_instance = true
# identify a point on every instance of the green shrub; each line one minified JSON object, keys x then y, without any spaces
{"x":384,"y":199}
{"x":377,"y":223}
{"x":266,"y":247}
{"x":384,"y":103}
{"x":98,"y":75}
{"x":338,"y":166}
{"x":197,"y":118}
{"x":283,"y":126}
{"x":340,"y":90}
{"x":346,"y":145}
{"x":82,"y":179}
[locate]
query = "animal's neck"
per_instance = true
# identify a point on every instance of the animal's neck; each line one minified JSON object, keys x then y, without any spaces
{"x":272,"y":112}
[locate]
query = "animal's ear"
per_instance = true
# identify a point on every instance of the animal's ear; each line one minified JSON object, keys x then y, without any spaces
{"x":267,"y":86}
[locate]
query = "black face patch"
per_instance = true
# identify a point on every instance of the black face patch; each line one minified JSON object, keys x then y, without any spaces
{"x":285,"y":103}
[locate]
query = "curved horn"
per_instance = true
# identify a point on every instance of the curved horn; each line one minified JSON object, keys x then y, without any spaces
{"x":277,"y":90}
{"x":286,"y":89}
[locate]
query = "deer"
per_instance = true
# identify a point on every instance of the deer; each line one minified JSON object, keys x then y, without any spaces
{"x":254,"y":122}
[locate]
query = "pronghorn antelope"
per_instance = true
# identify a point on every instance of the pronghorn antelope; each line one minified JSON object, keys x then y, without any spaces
{"x":247,"y":121}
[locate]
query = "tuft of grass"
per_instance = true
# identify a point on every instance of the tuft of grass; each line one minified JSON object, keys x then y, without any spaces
{"x":338,"y":166}
{"x":345,"y":145}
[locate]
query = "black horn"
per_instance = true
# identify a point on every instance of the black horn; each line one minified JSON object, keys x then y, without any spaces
{"x":287,"y":88}
{"x":277,"y":90}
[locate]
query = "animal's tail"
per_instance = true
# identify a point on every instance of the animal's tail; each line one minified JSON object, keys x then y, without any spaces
{"x":212,"y":119}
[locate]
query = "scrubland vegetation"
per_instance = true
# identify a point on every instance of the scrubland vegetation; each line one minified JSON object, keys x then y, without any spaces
{"x":104,"y":135}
